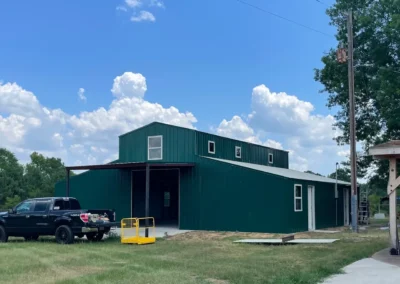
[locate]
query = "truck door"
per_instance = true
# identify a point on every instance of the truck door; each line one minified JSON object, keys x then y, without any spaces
{"x":39,"y":218}
{"x":18,"y":222}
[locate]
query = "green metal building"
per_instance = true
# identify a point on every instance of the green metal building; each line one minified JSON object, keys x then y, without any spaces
{"x":201,"y":181}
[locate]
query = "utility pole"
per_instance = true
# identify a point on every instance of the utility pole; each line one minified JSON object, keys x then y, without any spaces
{"x":353,"y":156}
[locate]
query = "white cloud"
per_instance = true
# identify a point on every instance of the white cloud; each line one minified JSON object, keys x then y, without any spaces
{"x":133,"y":3}
{"x":343,"y":153}
{"x":81,"y":94}
{"x":86,"y":137}
{"x":286,"y":122}
{"x":235,"y":128}
{"x":141,"y":9}
{"x":273,"y":144}
{"x":123,"y":9}
{"x":143,"y":16}
{"x":16,"y":100}
{"x":129,"y":85}
{"x":58,"y":139}
{"x":156,"y":3}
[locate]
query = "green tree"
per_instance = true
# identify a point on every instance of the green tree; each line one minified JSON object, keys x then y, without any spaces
{"x":374,"y":201}
{"x":342,"y":174}
{"x":41,"y":175}
{"x":311,"y":172}
{"x":11,"y":177}
{"x":12,"y":201}
{"x":377,"y":75}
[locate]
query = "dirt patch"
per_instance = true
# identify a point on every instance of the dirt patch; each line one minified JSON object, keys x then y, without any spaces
{"x":217,"y":235}
{"x":213,"y":235}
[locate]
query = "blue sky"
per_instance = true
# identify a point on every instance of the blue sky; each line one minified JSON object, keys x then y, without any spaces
{"x":204,"y":57}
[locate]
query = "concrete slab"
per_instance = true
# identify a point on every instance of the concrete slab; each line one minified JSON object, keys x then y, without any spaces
{"x":279,"y":241}
{"x":160,"y":231}
{"x":326,"y":231}
{"x":385,"y":256}
{"x":367,"y":271}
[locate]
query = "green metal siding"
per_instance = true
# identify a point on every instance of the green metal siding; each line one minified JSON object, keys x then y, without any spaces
{"x":178,"y":144}
{"x":219,"y":196}
{"x":101,"y":189}
{"x":251,"y":153}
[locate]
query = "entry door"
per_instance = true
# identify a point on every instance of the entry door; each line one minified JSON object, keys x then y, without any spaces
{"x":346,"y":201}
{"x":19,"y":222}
{"x":311,"y":208}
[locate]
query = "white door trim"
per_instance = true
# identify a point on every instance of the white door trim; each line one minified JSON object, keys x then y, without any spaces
{"x":311,"y":207}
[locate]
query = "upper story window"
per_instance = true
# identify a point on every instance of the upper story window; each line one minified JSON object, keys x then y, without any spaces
{"x":211,"y":147}
{"x":270,"y":158}
{"x":238,"y":152}
{"x":155,"y":147}
{"x":298,"y":198}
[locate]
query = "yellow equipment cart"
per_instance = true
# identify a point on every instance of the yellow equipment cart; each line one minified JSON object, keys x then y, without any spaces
{"x":139,"y":231}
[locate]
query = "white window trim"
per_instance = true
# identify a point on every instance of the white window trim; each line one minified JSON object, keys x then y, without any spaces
{"x":236,"y":156}
{"x":301,"y":198}
{"x":148,"y":147}
{"x":272,"y":160}
{"x":209,"y":142}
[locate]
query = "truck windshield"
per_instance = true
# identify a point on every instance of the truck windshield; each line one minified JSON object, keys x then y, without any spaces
{"x":67,"y":204}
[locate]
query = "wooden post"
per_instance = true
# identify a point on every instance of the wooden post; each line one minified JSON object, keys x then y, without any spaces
{"x":394,"y":182}
{"x":67,"y":183}
{"x":147,"y":211}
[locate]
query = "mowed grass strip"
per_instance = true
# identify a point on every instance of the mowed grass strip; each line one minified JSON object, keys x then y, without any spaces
{"x":185,"y":259}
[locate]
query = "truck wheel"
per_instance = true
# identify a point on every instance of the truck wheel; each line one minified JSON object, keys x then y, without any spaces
{"x":94,"y":237}
{"x":31,"y":238}
{"x":3,"y":235}
{"x":64,"y":235}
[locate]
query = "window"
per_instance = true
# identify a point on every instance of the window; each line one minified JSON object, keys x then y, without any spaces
{"x":211,"y":147}
{"x":270,"y":158}
{"x":238,"y":152}
{"x":66,"y":204}
{"x":298,"y":198}
{"x":154,"y":148}
{"x":24,"y":207}
{"x":41,"y":206}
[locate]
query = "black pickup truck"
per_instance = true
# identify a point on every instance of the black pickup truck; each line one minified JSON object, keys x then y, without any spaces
{"x":58,"y":216}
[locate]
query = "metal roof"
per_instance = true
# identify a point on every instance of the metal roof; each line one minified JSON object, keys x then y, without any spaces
{"x":281,"y":172}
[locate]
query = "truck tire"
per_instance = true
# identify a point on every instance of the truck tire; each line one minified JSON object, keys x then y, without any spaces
{"x":31,"y":238}
{"x":64,"y":235}
{"x":95,"y":237}
{"x":3,"y":235}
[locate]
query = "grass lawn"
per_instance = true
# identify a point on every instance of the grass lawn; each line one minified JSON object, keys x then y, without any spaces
{"x":191,"y":258}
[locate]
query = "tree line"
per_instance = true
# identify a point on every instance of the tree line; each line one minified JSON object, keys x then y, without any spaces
{"x":34,"y":179}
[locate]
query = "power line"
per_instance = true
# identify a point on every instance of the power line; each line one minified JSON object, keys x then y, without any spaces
{"x":283,"y":18}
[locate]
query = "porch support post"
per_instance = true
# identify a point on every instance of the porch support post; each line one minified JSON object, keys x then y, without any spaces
{"x":391,"y":191}
{"x":67,"y":183}
{"x":147,"y":209}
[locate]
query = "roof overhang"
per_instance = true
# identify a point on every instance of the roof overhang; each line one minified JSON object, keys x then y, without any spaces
{"x":120,"y":166}
{"x":386,"y":150}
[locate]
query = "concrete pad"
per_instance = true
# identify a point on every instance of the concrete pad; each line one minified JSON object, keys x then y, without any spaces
{"x":159,"y":232}
{"x":326,"y":231}
{"x":260,"y":241}
{"x":279,"y":241}
{"x":379,"y":216}
{"x":367,"y":271}
{"x":313,"y":241}
{"x":384,"y":256}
